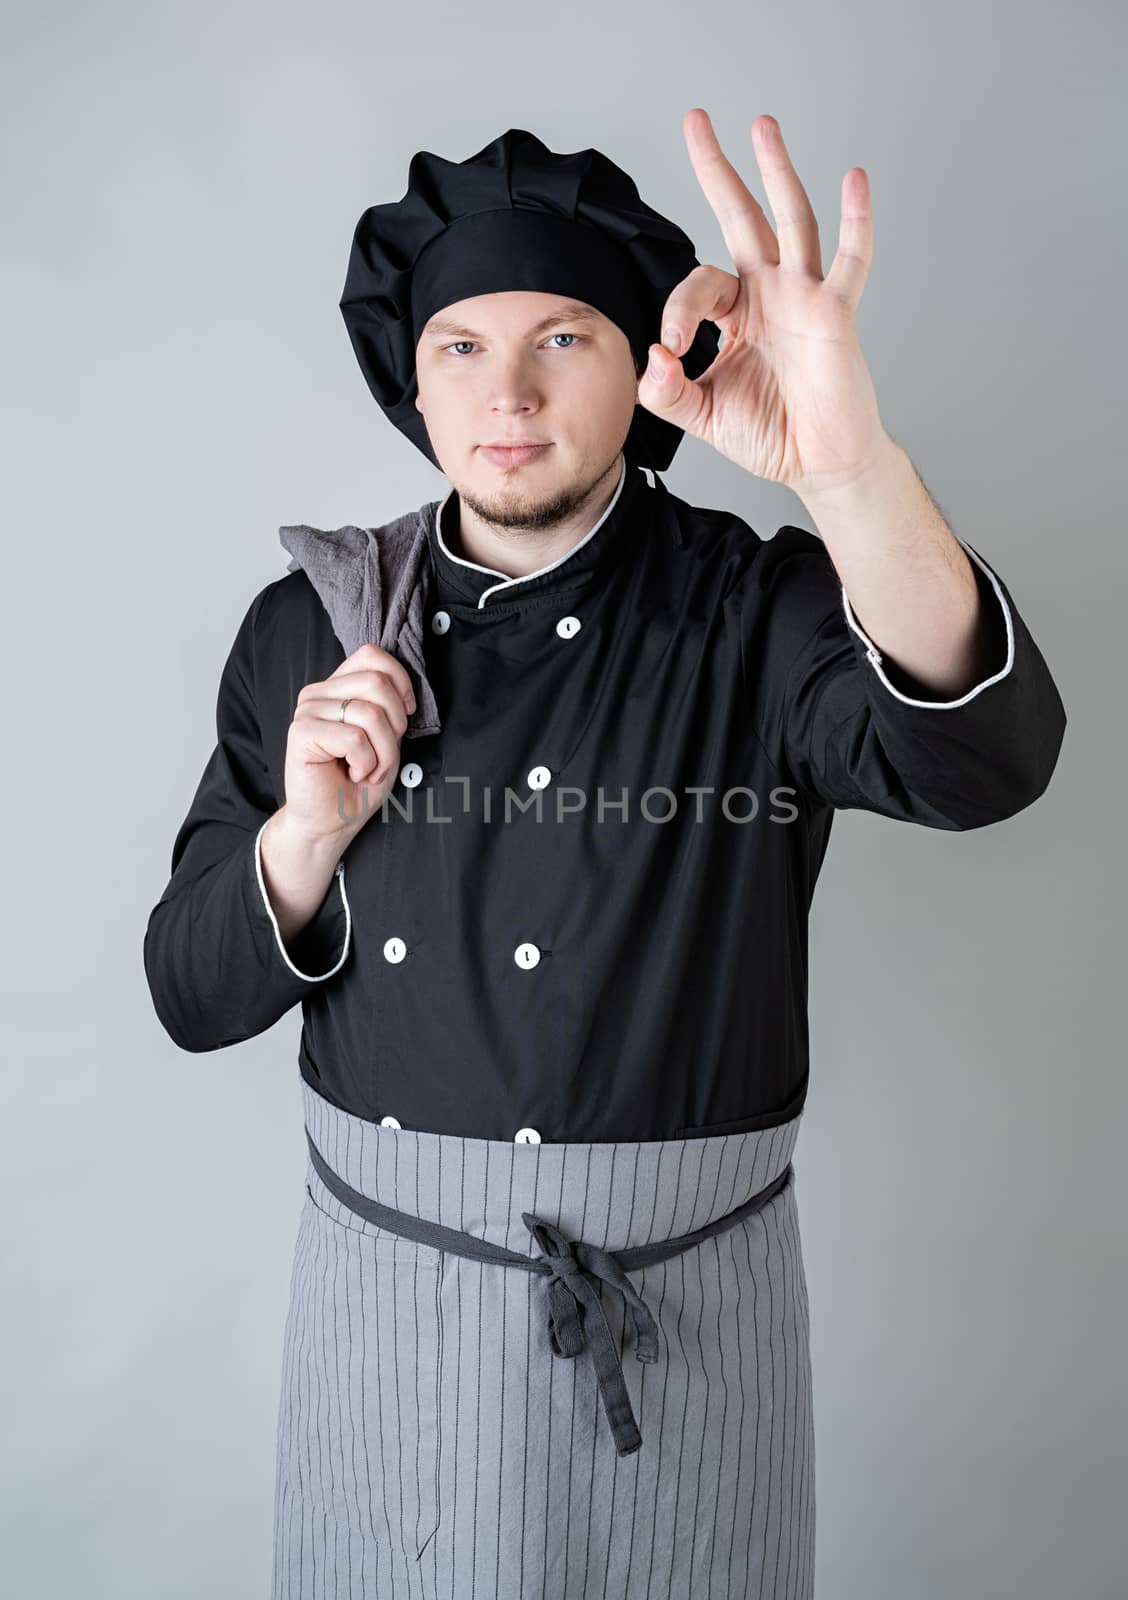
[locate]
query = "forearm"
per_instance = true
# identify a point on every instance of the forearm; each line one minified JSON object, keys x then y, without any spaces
{"x":906,"y":576}
{"x":296,"y":873}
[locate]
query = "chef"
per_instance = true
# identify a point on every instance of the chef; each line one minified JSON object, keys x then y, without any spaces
{"x":548,"y":1325}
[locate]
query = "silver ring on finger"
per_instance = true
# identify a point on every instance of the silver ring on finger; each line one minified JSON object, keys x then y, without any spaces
{"x":341,"y":713}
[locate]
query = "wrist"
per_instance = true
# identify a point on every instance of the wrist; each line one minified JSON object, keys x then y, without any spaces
{"x":883,"y":467}
{"x":317,"y":852}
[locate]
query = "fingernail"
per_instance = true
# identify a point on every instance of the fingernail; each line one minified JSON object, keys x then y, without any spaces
{"x":655,"y":369}
{"x":671,"y":338}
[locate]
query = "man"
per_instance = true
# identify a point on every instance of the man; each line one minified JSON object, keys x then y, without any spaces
{"x":556,"y":1027}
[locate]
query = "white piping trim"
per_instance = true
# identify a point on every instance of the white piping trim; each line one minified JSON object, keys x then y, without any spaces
{"x":508,"y":583}
{"x":339,"y":874}
{"x":873,"y":655}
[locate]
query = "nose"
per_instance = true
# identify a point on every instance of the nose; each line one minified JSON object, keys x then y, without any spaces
{"x":514,"y":387}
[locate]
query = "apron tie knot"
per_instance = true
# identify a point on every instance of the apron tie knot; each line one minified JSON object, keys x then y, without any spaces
{"x":574,"y":1307}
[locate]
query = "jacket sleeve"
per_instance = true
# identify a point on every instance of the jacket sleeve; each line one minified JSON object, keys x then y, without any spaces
{"x":855,"y":731}
{"x":216,"y":966}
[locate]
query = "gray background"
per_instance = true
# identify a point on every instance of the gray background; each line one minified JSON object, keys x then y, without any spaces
{"x":180,"y":189}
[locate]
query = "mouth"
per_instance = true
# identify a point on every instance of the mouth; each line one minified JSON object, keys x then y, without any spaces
{"x":513,"y":455}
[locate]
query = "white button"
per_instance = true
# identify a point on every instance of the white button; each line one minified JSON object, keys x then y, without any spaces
{"x":394,"y":950}
{"x":540,"y":778}
{"x":412,"y":774}
{"x":440,"y":622}
{"x":389,"y":1122}
{"x":526,"y":1136}
{"x":526,"y":955}
{"x":568,"y":627}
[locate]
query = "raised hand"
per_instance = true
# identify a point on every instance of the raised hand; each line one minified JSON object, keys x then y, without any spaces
{"x":789,"y":395}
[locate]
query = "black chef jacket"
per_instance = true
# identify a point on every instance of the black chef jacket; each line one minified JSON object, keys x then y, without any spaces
{"x":671,"y":712}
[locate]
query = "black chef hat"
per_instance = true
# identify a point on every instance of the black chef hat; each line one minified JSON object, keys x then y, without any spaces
{"x":514,"y":216}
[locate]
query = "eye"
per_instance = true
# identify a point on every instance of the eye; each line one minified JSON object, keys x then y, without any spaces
{"x":578,"y":338}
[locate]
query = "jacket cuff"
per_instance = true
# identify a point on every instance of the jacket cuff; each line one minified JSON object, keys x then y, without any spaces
{"x":315,"y":942}
{"x":1000,"y":617}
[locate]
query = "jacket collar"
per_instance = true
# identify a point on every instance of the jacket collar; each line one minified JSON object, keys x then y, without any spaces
{"x":465,"y":582}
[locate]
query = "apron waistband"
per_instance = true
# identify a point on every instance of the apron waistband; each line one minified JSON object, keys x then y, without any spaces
{"x":567,"y":1263}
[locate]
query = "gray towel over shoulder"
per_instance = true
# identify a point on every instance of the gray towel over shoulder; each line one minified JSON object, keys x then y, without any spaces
{"x":374,"y":584}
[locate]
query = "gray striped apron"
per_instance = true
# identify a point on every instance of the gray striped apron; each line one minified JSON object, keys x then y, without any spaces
{"x":433,"y":1443}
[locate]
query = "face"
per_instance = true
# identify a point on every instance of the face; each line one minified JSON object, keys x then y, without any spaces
{"x":522,"y":365}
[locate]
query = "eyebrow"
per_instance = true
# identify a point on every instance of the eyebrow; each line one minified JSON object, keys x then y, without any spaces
{"x":574,"y":311}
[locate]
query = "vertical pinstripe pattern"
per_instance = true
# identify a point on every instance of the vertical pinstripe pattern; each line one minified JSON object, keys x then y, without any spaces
{"x":430,"y":1445}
